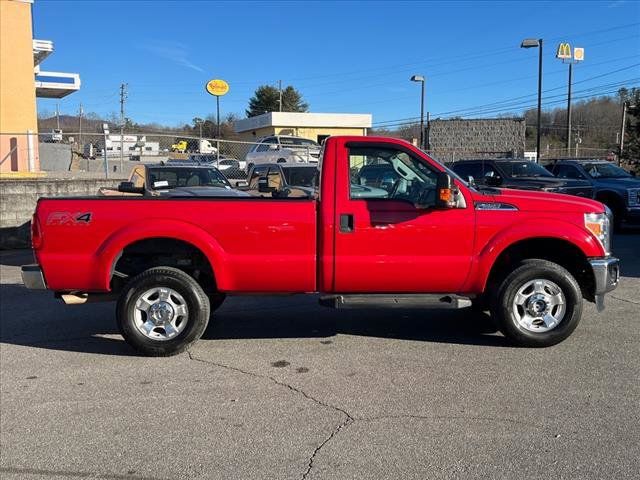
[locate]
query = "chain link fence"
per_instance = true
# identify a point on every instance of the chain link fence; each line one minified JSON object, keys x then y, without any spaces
{"x":96,"y":155}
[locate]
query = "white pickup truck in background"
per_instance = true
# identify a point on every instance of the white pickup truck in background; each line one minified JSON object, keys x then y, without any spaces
{"x":283,"y":149}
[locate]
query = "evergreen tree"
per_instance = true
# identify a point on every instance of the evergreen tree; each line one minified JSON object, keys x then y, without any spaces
{"x":267,"y":98}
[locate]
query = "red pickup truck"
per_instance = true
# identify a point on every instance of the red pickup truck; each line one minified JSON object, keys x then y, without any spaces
{"x":424,"y":239}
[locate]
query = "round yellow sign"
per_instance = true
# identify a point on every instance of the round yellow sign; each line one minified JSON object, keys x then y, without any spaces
{"x":217,"y":87}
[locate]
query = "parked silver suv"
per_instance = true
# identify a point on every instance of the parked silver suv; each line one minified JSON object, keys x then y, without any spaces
{"x":283,"y":149}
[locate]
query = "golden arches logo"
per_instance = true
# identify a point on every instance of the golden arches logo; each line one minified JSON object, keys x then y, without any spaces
{"x":564,"y":51}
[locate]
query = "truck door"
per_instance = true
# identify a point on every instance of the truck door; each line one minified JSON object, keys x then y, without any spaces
{"x":383,"y":242}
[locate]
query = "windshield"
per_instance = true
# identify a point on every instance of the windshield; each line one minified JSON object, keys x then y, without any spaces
{"x":164,"y":178}
{"x":524,"y":169}
{"x":301,"y":176}
{"x":605,"y":170}
{"x":298,"y":141}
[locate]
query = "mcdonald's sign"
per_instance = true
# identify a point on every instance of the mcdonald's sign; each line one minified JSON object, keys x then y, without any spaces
{"x":564,"y":51}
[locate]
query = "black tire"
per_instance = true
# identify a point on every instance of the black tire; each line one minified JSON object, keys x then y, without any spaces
{"x":480,"y":304}
{"x":282,"y":160}
{"x":194,"y":297}
{"x":617,"y":211}
{"x":503,"y":303}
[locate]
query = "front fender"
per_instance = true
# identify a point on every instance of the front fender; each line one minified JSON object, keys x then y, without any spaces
{"x":571,"y":233}
{"x":110,"y":250}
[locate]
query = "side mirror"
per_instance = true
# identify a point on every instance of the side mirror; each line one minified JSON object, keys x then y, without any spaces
{"x":273,"y":146}
{"x":492,"y":181}
{"x":263,"y":185}
{"x":242,"y":184}
{"x":445,"y":191}
{"x":128,"y":187}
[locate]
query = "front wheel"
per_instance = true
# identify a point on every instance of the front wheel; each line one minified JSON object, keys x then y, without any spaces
{"x":539,"y":304}
{"x":162,"y":311}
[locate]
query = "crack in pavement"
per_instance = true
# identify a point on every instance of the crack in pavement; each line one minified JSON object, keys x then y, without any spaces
{"x":445,"y":417}
{"x":73,"y":474}
{"x":347,"y":420}
{"x":624,"y":300}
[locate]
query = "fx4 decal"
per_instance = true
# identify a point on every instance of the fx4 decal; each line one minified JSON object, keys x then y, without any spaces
{"x":69,"y":218}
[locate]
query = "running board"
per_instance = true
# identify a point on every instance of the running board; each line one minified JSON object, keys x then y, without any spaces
{"x":395,"y":301}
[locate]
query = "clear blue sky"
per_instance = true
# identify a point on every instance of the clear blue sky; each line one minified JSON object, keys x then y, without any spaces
{"x":353,"y":57}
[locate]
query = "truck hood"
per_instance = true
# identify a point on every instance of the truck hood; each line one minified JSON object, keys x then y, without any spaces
{"x":616,"y":183}
{"x":529,"y":200}
{"x":542,"y":182}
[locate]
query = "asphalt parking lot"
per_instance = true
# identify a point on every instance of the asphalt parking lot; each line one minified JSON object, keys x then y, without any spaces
{"x":283,"y":388}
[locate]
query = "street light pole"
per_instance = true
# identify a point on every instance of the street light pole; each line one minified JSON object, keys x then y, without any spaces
{"x":531,"y":43}
{"x":421,"y":79}
{"x":539,"y":133}
{"x":569,"y":109}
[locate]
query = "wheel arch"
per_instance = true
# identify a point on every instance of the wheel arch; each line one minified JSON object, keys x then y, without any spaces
{"x":517,"y":243}
{"x":182,"y":233}
{"x":560,"y":251}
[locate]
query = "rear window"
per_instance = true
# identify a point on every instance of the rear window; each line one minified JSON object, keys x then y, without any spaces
{"x":301,"y":176}
{"x":524,"y":169}
{"x":298,"y":142}
{"x":163,"y":178}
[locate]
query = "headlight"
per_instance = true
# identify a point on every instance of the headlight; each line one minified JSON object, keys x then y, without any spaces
{"x":600,"y":225}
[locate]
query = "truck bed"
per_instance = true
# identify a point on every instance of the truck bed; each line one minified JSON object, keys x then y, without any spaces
{"x":253,"y":245}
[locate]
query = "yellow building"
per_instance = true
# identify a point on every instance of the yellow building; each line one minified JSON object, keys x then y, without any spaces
{"x":314,"y":126}
{"x":21,"y":81}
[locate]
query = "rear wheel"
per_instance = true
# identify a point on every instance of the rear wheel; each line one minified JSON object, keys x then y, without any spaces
{"x":162,"y":311}
{"x":539,"y":304}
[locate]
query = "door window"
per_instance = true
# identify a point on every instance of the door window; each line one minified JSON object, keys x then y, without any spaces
{"x":466,"y":170}
{"x":384,"y":173}
{"x":568,"y":171}
{"x":137,"y":178}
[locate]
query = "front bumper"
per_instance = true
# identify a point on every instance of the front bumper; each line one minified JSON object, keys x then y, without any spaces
{"x":33,"y":278}
{"x":606,"y":272}
{"x":632,"y":215}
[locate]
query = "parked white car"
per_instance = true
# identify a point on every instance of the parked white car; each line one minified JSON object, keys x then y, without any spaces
{"x":54,"y":137}
{"x":220,"y":162}
{"x":283,"y":149}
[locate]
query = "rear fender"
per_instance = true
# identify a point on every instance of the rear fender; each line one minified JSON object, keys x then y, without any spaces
{"x":111,"y":249}
{"x":584,"y":240}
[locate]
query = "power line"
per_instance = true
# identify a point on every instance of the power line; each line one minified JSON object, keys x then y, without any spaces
{"x":525,"y":96}
{"x":502,"y":109}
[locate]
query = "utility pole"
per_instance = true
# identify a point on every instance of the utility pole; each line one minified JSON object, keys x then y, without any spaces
{"x":622,"y":127}
{"x":280,"y":95}
{"x":58,"y":116}
{"x":123,"y":98}
{"x":80,"y":126}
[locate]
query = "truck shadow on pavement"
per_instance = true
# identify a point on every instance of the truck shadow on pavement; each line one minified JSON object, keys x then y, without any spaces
{"x":36,"y":319}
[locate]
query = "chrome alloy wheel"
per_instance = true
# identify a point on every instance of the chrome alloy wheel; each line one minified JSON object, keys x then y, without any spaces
{"x":539,"y":305}
{"x":161,"y":313}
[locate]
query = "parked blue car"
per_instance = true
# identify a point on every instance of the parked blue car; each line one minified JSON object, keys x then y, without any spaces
{"x":614,"y":186}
